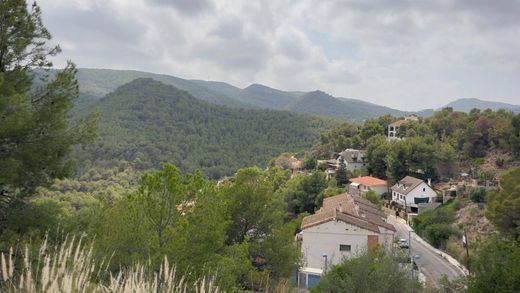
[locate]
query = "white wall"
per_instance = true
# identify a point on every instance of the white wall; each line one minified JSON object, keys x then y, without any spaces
{"x":422,"y":190}
{"x":364,"y":188}
{"x":353,"y":166}
{"x":379,"y":189}
{"x":326,"y":238}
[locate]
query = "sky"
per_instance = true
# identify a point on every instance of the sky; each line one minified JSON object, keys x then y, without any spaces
{"x":406,"y":54}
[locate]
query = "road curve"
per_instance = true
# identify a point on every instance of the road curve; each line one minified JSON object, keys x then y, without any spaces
{"x":431,"y":264}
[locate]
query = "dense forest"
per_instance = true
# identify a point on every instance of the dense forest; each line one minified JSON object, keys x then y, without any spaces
{"x":436,"y":147}
{"x":148,"y":123}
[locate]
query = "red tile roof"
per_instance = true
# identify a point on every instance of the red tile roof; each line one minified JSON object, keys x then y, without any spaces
{"x":369,"y":181}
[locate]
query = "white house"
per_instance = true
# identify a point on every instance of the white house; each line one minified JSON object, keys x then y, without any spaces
{"x":393,"y":128}
{"x":345,"y":226}
{"x":352,"y":158}
{"x":409,"y":192}
{"x":361,"y":185}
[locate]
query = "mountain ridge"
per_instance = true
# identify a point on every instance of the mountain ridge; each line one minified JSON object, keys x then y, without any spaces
{"x":148,"y":123}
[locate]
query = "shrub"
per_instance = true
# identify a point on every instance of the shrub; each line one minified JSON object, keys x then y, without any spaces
{"x":478,"y":195}
{"x":438,"y":234}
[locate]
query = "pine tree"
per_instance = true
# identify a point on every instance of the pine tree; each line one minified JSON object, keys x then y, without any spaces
{"x":35,"y":132}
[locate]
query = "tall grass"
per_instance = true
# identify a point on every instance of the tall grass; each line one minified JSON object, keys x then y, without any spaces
{"x":70,"y":267}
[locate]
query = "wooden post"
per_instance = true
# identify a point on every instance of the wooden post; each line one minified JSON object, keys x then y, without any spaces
{"x":467,"y":249}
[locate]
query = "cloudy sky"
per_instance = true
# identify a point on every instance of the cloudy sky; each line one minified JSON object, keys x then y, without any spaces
{"x":407,"y":54}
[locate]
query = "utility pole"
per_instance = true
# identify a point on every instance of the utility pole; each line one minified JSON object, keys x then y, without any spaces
{"x":465,"y":242}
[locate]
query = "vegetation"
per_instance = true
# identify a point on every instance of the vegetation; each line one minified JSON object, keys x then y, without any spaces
{"x":374,"y":271}
{"x":432,"y":146}
{"x":435,"y":225}
{"x":70,"y":267}
{"x":35,"y":133}
{"x":504,"y":204}
{"x":148,"y":123}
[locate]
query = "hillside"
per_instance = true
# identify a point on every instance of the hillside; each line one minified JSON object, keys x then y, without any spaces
{"x":96,"y":83}
{"x":465,"y":105}
{"x":148,"y":122}
{"x":321,"y":103}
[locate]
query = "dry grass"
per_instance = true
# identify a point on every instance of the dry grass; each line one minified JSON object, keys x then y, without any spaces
{"x":69,"y":267}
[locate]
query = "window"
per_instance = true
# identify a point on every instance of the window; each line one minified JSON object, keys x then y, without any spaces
{"x":424,"y":189}
{"x":344,"y":247}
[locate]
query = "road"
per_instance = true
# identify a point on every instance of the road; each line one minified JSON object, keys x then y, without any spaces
{"x":431,"y":264}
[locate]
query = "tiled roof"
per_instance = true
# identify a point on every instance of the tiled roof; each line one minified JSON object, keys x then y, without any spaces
{"x":406,"y":184}
{"x":352,"y":155}
{"x":369,"y":181}
{"x":349,"y":209}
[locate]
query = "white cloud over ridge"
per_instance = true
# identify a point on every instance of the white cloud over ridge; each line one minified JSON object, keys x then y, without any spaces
{"x":402,"y":53}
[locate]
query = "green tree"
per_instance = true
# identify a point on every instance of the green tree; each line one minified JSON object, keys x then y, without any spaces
{"x":302,"y":191}
{"x":254,"y":208}
{"x":35,"y":133}
{"x":504,"y":204}
{"x":497,"y":268}
{"x":374,"y":271}
{"x":377,"y":149}
{"x":341,"y":174}
{"x":478,"y":195}
{"x":374,"y":198}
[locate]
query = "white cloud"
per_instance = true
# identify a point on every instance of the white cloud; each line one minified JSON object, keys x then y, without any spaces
{"x":403,"y":53}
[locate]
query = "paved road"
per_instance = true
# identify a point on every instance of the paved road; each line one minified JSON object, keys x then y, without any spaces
{"x":431,"y":264}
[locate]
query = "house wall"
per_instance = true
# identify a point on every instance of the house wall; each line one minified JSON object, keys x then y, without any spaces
{"x":422,"y":190}
{"x":353,"y":166}
{"x":326,"y":238}
{"x":379,"y":189}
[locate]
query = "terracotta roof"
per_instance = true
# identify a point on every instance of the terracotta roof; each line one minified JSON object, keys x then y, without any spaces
{"x":369,"y":181}
{"x":349,"y":209}
{"x":320,"y":217}
{"x":406,"y":184}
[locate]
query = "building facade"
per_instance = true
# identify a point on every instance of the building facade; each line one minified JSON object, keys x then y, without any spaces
{"x":410,"y":192}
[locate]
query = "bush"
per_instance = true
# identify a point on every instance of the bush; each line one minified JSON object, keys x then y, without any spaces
{"x":434,"y":225}
{"x":374,"y":198}
{"x":478,"y":195}
{"x":438,"y":234}
{"x":374,"y":271}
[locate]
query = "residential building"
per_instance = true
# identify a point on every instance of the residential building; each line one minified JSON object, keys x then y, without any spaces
{"x":345,"y":226}
{"x":352,"y":159}
{"x":410,"y":192}
{"x":362,"y":185}
{"x":393,"y":128}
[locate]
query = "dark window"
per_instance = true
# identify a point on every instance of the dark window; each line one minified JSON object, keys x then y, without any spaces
{"x":424,"y":189}
{"x":344,"y":247}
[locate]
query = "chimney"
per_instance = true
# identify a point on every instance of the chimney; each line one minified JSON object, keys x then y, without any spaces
{"x":429,"y":182}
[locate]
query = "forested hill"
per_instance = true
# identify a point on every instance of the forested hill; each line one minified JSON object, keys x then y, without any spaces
{"x":465,"y":105}
{"x":96,"y":83}
{"x":321,"y":103}
{"x":148,"y":123}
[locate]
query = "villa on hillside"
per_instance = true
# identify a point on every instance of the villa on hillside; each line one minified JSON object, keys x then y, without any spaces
{"x":393,"y":128}
{"x":362,"y":185}
{"x":352,"y":158}
{"x":345,"y":226}
{"x":410,"y":193}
